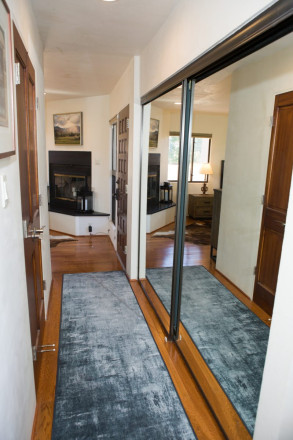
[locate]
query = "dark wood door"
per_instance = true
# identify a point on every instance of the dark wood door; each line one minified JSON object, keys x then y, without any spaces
{"x":275,"y":202}
{"x":27,"y":151}
{"x":122,"y":182}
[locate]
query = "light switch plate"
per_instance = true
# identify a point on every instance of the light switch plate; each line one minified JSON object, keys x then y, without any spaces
{"x":3,"y":191}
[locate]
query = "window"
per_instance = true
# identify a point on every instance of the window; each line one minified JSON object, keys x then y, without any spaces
{"x":200,"y":153}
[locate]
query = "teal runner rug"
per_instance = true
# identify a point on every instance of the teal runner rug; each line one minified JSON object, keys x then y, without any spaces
{"x":231,"y":339}
{"x":112,"y":382}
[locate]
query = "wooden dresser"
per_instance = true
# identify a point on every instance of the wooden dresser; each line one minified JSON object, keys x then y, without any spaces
{"x":200,"y":205}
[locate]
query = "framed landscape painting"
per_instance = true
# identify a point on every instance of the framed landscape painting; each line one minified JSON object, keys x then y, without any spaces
{"x":7,"y":127}
{"x":68,"y":128}
{"x":154,"y":133}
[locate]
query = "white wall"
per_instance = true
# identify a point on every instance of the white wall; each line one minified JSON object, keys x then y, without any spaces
{"x":274,"y":417}
{"x":95,"y":111}
{"x":192,"y":28}
{"x":17,"y":396}
{"x":254,"y":87}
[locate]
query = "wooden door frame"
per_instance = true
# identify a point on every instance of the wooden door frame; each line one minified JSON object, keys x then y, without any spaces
{"x":126,"y":109}
{"x":34,"y":270}
{"x":114,"y":121}
{"x":273,"y":219}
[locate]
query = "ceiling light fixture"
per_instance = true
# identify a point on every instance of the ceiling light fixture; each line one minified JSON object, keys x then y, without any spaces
{"x":177,"y":103}
{"x":109,"y":0}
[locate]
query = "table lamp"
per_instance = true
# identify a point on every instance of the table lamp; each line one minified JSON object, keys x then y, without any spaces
{"x":207,"y":170}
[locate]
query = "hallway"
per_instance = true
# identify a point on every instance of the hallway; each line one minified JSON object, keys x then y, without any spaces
{"x":96,"y":254}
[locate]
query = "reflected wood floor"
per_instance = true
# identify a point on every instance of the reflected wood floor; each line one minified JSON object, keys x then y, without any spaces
{"x":93,"y":255}
{"x":160,"y":252}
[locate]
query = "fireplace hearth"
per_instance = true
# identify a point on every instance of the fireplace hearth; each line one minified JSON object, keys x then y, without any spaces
{"x":70,"y":181}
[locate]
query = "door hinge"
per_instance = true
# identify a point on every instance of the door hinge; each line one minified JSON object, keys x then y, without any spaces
{"x":254,"y":270}
{"x":40,"y":197}
{"x":44,"y":285}
{"x":127,"y":123}
{"x":37,"y":103}
{"x":125,"y":250}
{"x":34,"y":349}
{"x":262,"y":199}
{"x":17,"y":73}
{"x":126,"y":189}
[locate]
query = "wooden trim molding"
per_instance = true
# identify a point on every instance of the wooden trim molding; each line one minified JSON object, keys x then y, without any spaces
{"x":249,"y":303}
{"x":270,"y":25}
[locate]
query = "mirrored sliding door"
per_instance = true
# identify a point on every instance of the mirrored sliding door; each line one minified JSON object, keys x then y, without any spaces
{"x":160,"y":161}
{"x":233,"y":134}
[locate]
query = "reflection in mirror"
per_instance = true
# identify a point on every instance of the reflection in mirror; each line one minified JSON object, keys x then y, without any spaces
{"x":159,"y":189}
{"x":235,"y":107}
{"x":233,"y":241}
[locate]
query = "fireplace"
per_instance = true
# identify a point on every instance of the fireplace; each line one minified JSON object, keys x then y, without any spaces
{"x":153,"y":195}
{"x":70,"y":181}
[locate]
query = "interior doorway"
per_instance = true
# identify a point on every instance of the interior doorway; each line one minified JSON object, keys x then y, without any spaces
{"x":275,"y":202}
{"x":122,"y":183}
{"x":114,"y":169}
{"x":27,"y":150}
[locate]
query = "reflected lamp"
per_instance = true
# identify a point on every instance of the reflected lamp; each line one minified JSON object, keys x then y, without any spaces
{"x":205,"y":169}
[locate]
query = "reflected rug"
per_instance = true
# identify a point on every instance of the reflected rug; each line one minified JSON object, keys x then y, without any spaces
{"x":112,"y":382}
{"x":231,"y":339}
{"x":57,"y":239}
{"x":198,"y":233}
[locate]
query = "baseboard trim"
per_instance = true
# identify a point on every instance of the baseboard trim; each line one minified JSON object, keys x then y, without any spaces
{"x":243,"y":297}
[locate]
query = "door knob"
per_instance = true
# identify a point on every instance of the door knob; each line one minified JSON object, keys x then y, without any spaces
{"x":36,"y":232}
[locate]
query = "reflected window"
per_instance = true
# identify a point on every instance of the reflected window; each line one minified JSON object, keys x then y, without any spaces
{"x":173,"y":157}
{"x":200,"y":153}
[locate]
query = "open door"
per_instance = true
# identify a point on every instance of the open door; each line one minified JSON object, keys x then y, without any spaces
{"x":122,"y":182}
{"x":27,"y":151}
{"x":275,"y":203}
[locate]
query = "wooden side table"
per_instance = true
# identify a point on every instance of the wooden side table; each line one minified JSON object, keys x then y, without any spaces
{"x":200,"y":205}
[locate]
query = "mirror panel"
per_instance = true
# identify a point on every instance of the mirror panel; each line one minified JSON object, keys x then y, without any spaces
{"x":160,"y":155}
{"x":235,"y":108}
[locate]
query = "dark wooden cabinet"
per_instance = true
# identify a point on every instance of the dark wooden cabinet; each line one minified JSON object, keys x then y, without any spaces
{"x":216,"y":221}
{"x":200,"y":205}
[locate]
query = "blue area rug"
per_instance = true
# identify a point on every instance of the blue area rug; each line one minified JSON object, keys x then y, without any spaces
{"x":112,"y":382}
{"x":231,"y":339}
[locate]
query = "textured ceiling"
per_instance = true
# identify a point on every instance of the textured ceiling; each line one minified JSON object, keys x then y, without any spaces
{"x":89,"y":43}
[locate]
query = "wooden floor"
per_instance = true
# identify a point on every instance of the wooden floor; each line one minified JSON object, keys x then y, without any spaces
{"x":94,"y":254}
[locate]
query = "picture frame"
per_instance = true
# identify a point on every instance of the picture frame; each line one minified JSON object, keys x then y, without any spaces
{"x":68,"y":129}
{"x":154,"y":133}
{"x":7,"y":121}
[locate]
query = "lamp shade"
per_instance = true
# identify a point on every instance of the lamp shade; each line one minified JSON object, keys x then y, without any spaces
{"x":205,"y":169}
